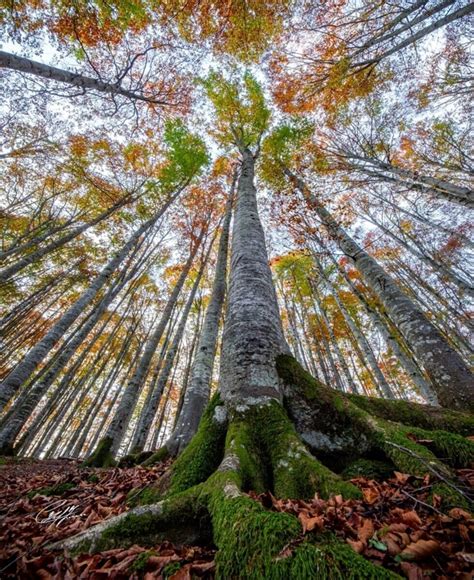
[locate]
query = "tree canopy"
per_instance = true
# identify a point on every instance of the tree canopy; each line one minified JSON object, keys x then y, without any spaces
{"x":236,"y":272}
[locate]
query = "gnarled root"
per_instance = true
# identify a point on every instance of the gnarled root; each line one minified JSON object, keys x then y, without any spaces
{"x":334,"y":424}
{"x":261,"y":447}
{"x":257,"y":448}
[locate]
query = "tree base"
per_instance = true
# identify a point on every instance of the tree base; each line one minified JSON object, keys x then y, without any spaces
{"x":102,"y":456}
{"x":256,"y":447}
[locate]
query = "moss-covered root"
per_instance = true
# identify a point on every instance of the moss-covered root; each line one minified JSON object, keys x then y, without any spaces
{"x":303,"y":387}
{"x":182,"y":519}
{"x":264,"y":435}
{"x":419,"y":452}
{"x":102,"y":456}
{"x":254,"y":543}
{"x":157,"y":457}
{"x":205,"y":451}
{"x":132,"y":459}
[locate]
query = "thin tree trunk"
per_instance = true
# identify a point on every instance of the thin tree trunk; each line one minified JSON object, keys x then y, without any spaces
{"x":198,"y":389}
{"x":189,"y":363}
{"x":38,"y":353}
{"x":360,"y":338}
{"x":440,"y":269}
{"x":146,"y":418}
{"x":82,"y":82}
{"x":449,"y":374}
{"x":26,"y":403}
{"x":385,"y":330}
{"x":119,"y":423}
{"x":440,"y":188}
{"x":39,"y":253}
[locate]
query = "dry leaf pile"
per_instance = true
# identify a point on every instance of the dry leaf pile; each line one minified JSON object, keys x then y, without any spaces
{"x":397,"y":524}
{"x":42,"y":502}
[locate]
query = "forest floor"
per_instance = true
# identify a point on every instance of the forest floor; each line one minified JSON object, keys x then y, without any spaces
{"x":399,"y":524}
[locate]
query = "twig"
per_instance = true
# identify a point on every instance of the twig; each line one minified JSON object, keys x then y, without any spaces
{"x":430,"y":468}
{"x":422,"y":502}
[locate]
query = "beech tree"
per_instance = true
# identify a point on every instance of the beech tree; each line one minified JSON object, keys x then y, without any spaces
{"x":261,"y":423}
{"x":247,"y":334}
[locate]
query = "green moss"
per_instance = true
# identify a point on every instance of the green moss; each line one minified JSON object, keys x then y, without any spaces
{"x":416,"y":415}
{"x":454,"y":449}
{"x":334,"y":414}
{"x":334,"y":560}
{"x":407,"y":455}
{"x":102,"y":456}
{"x":141,"y":561}
{"x":295,"y":472}
{"x":93,"y":478}
{"x":59,"y":489}
{"x":157,"y":457}
{"x":183,"y":520}
{"x":242,"y":441}
{"x":441,"y":447}
{"x":248,"y":536}
{"x":449,"y":497}
{"x":375,"y":419}
{"x":171,"y":569}
{"x":370,"y":468}
{"x":203,"y":454}
{"x":253,"y":544}
{"x":293,"y":373}
{"x":145,"y":496}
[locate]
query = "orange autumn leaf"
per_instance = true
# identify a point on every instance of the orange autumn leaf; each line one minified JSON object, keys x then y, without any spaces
{"x":366,"y":531}
{"x":412,"y":519}
{"x":371,"y":495}
{"x":420,"y":550}
{"x":310,"y":523}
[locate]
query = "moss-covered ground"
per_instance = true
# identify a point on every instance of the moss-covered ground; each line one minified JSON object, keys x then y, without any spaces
{"x":261,"y":447}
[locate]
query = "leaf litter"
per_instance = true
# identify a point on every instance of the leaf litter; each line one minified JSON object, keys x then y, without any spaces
{"x":398,"y":524}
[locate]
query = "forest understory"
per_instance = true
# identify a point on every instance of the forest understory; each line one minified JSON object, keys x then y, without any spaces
{"x":400,"y":509}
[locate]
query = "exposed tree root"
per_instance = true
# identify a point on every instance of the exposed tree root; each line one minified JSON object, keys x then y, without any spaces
{"x":257,"y":447}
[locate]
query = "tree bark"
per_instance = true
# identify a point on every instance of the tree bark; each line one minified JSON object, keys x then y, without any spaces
{"x":38,"y":353}
{"x":451,"y":378}
{"x":198,"y":389}
{"x":83,"y":82}
{"x":119,"y":423}
{"x":253,"y":333}
{"x":148,"y":413}
{"x":39,"y":253}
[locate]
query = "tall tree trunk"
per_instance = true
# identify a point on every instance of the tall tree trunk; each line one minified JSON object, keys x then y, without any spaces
{"x":296,"y":341}
{"x":27,"y":401}
{"x":332,"y":338}
{"x":110,"y":443}
{"x":410,"y":366}
{"x":253,"y":334}
{"x":148,"y":413}
{"x":39,"y":253}
{"x":83,"y":82}
{"x":189,"y":362}
{"x":441,"y":269}
{"x":361,"y":340}
{"x":38,"y":353}
{"x":439,"y":188}
{"x":451,"y":378}
{"x":197,"y":392}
